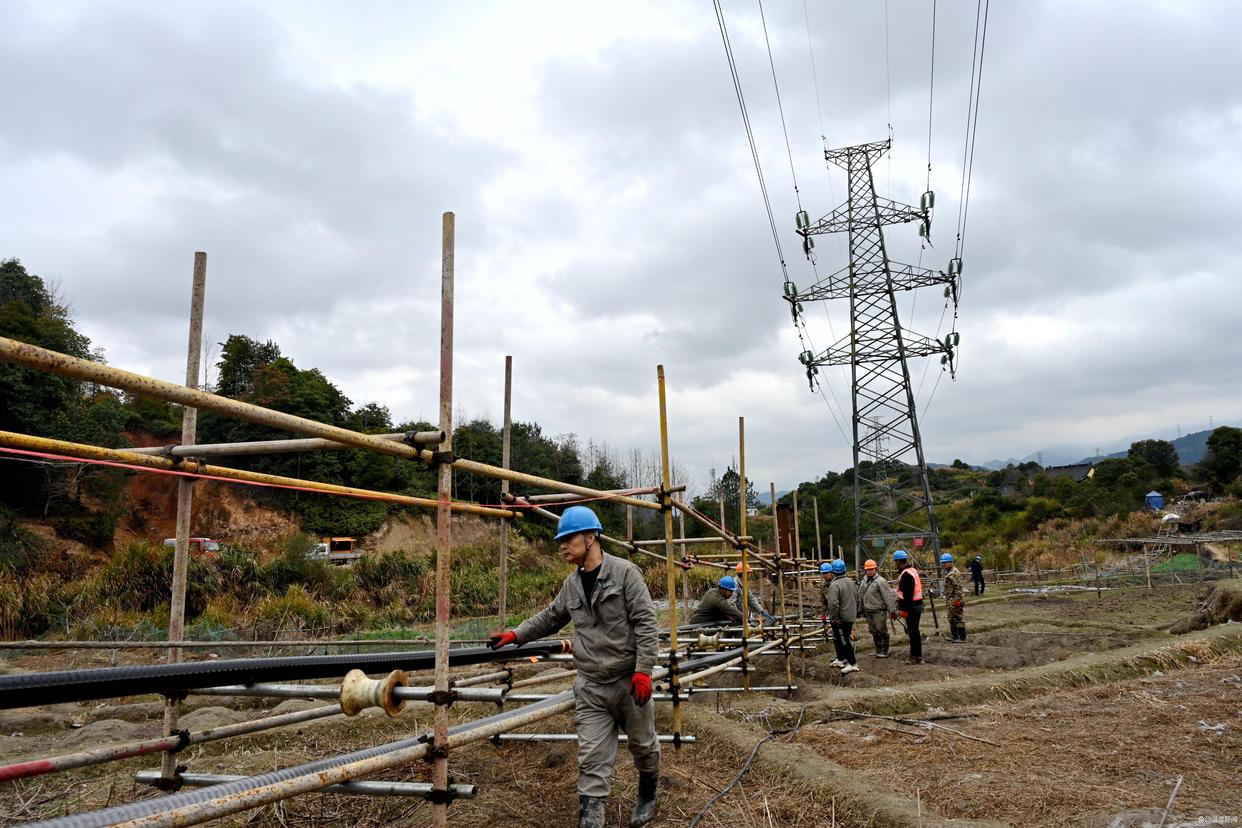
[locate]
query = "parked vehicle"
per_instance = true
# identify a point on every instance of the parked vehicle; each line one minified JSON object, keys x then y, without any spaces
{"x":205,"y":548}
{"x":339,"y":551}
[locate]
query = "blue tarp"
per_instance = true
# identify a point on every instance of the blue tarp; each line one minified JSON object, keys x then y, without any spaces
{"x":1155,"y":500}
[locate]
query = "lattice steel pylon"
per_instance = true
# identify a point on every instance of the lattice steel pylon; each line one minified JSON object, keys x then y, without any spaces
{"x":892,"y":498}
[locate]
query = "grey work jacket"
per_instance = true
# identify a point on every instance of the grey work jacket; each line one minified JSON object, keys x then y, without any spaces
{"x":877,"y":596}
{"x":614,"y":633}
{"x":714,"y":608}
{"x":842,"y":600}
{"x":755,"y":606}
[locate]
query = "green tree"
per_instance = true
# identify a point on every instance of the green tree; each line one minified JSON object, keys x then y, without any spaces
{"x":1159,"y":453}
{"x":1222,"y":464}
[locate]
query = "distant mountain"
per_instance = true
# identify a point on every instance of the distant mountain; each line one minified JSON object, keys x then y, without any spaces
{"x":1190,"y":449}
{"x":765,"y":498}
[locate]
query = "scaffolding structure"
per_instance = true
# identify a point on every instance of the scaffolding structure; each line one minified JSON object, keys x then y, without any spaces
{"x":686,"y":662}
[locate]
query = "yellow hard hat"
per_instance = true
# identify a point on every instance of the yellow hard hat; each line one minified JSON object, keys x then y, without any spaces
{"x":870,"y":564}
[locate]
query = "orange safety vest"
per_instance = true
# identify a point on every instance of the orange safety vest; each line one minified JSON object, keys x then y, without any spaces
{"x":918,"y":582}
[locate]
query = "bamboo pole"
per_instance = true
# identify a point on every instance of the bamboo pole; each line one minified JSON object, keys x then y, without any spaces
{"x":741,"y":442}
{"x":797,"y":539}
{"x":685,"y":581}
{"x":780,"y":585}
{"x":666,"y":503}
{"x":506,"y":437}
{"x":444,"y":532}
{"x":819,"y":549}
{"x":185,"y":502}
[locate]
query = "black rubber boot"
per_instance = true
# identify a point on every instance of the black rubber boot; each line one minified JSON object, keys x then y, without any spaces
{"x":591,"y":811}
{"x":881,"y":647}
{"x":644,"y":810}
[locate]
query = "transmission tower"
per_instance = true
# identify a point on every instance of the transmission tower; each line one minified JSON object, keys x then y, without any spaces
{"x":892,"y":498}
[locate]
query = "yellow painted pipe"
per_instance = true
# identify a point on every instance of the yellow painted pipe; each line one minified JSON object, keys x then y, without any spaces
{"x":29,"y":442}
{"x":41,"y":359}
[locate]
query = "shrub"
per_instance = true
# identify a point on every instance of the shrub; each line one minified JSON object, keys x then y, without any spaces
{"x":139,"y":578}
{"x":95,"y":529}
{"x":296,"y":610}
{"x":376,"y":575}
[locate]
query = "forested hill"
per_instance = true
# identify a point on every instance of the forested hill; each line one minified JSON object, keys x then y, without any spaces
{"x":85,"y":503}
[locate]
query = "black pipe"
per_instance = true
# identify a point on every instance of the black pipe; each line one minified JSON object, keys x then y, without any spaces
{"x":28,"y":689}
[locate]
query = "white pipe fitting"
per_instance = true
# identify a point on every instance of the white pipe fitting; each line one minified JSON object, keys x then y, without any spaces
{"x":358,"y":692}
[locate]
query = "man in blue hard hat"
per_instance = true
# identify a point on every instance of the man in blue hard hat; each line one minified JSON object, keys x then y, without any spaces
{"x":717,"y":605}
{"x":910,"y":603}
{"x":615,"y":646}
{"x":840,"y":607}
{"x":954,"y":598}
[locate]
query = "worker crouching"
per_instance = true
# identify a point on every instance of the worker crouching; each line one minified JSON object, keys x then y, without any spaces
{"x":717,"y":605}
{"x":615,"y":644}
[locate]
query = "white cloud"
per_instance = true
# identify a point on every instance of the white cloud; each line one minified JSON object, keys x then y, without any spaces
{"x":608,"y":218}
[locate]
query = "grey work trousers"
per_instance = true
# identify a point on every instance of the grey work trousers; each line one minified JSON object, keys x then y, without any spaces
{"x":600,"y":711}
{"x":876,"y":623}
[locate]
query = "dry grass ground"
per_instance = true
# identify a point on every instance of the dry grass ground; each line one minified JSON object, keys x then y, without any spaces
{"x":1066,"y":757}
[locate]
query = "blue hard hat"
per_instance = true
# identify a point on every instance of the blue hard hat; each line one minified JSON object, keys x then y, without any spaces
{"x":727,"y":582}
{"x":825,"y":567}
{"x":900,"y":555}
{"x":577,"y":519}
{"x":946,"y":558}
{"x":838,"y":567}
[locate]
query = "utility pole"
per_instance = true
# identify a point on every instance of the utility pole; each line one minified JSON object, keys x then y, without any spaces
{"x":892,"y":497}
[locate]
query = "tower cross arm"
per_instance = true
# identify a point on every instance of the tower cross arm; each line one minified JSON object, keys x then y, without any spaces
{"x":886,"y":211}
{"x":838,"y":285}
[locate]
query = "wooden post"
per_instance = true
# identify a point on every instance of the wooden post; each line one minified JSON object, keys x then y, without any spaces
{"x":185,"y":502}
{"x":819,"y":549}
{"x":780,"y":585}
{"x":504,"y":489}
{"x":797,"y":550}
{"x":741,"y":442}
{"x":444,"y":527}
{"x":685,"y":581}
{"x":666,"y":504}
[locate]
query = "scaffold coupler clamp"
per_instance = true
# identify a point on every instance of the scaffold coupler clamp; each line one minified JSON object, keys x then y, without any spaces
{"x":174,"y":783}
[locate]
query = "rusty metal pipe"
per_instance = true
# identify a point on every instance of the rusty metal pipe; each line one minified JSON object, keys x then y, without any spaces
{"x":573,"y":737}
{"x":568,"y":498}
{"x":420,"y":438}
{"x":141,"y":461}
{"x":351,"y":788}
{"x":41,"y":359}
{"x":191,"y":807}
{"x":127,"y":750}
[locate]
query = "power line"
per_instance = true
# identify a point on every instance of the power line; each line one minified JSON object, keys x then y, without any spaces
{"x":974,"y":130}
{"x":970,"y":102}
{"x":779,"y":106}
{"x":810,"y":49}
{"x":750,"y":135}
{"x":931,"y":93}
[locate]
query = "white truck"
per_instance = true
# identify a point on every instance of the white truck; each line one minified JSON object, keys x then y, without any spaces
{"x":339,"y":551}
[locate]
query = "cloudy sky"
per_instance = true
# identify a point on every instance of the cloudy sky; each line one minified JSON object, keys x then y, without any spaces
{"x":608,"y":214}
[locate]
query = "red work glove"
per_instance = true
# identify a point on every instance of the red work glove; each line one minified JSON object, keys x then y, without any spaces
{"x":905,"y":614}
{"x":500,"y":639}
{"x":823,"y":619}
{"x":893,"y":616}
{"x":957,"y":604}
{"x":640,"y":688}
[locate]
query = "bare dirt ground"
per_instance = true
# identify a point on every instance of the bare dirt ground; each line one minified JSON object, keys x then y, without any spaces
{"x":1104,"y":754}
